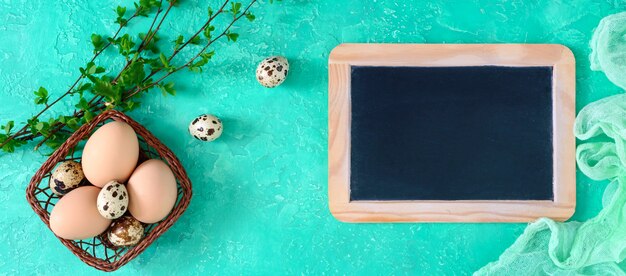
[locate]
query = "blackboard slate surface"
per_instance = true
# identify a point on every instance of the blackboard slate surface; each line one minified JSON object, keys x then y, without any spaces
{"x":451,"y":133}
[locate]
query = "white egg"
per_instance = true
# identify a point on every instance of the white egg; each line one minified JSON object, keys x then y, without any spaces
{"x":272,"y":71}
{"x":112,"y":200}
{"x":206,"y":127}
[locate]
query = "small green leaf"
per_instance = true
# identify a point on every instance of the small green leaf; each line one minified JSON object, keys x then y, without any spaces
{"x":250,"y":16}
{"x":56,"y":141}
{"x":235,"y":8}
{"x":32,"y":122}
{"x":9,"y":147}
{"x":92,"y":78}
{"x":208,"y":55}
{"x":146,"y":6}
{"x":133,"y":75}
{"x":153,"y":62}
{"x":232,"y":36}
{"x":41,"y":92}
{"x":82,"y":104}
{"x":167,"y":88}
{"x":195,"y":69}
{"x":97,"y":42}
{"x":164,"y":61}
{"x":88,"y":116}
{"x":178,"y":42}
{"x":204,"y":59}
{"x":96,"y":38}
{"x":41,"y":96}
{"x":72,"y":123}
{"x":40,"y":126}
{"x":104,"y":88}
{"x":195,"y":40}
{"x":170,"y":88}
{"x":92,"y":70}
{"x":126,"y":45}
{"x":8,"y":127}
{"x":120,"y":16}
{"x":120,"y":11}
{"x":121,"y":21}
{"x":130,"y":105}
{"x":207,"y":31}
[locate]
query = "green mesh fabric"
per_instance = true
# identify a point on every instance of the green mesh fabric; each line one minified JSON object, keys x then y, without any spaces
{"x":609,"y":49}
{"x":596,"y":246}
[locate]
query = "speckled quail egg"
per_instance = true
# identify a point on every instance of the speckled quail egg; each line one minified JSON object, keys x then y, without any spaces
{"x":66,"y":177}
{"x":272,"y":71}
{"x":125,"y":231}
{"x":206,"y":127}
{"x":112,"y":200}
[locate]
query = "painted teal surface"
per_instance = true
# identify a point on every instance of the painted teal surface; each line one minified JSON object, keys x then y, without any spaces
{"x":260,"y":191}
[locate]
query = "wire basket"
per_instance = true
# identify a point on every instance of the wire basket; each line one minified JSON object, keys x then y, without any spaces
{"x":97,"y":251}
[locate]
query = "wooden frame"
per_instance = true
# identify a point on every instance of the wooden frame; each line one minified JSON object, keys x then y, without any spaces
{"x":433,"y":55}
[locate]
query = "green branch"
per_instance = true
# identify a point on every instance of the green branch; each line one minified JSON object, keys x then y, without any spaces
{"x":122,"y":91}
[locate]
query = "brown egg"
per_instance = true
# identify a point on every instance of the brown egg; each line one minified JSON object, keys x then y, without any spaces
{"x":125,"y":231}
{"x":111,"y":153}
{"x":76,"y":217}
{"x":152,"y":191}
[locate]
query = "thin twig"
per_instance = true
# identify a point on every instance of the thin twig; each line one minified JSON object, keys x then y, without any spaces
{"x":152,"y":34}
{"x":206,"y":24}
{"x":156,"y":16}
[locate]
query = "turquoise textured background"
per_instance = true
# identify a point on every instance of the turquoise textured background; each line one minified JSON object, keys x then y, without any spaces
{"x":260,"y":191}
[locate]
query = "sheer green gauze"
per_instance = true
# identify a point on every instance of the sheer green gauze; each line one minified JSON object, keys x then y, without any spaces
{"x":596,"y":246}
{"x":609,"y":48}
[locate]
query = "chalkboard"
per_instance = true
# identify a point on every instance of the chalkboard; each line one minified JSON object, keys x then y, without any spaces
{"x":451,"y":133}
{"x":461,"y":132}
